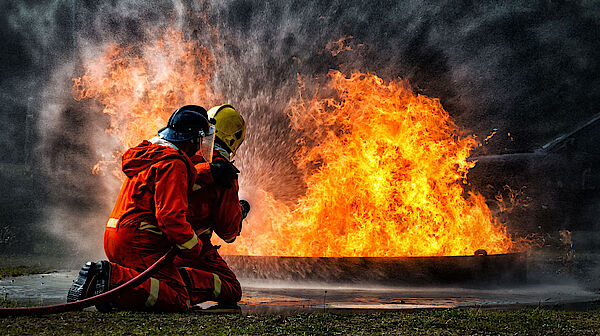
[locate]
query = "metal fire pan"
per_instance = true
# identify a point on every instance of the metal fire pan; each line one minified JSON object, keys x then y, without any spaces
{"x":478,"y":270}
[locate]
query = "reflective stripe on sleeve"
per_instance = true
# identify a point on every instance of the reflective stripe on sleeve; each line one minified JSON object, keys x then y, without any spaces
{"x":112,"y":222}
{"x":189,"y":244}
{"x":217,"y":290}
{"x":154,"y":288}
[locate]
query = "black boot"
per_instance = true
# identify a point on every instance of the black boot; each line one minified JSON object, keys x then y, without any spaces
{"x":93,"y":280}
{"x":102,"y":284}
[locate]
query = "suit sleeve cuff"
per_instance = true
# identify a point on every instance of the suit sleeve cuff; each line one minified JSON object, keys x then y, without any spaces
{"x":189,"y":244}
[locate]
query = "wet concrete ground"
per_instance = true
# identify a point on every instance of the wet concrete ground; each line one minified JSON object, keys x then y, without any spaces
{"x":46,"y":289}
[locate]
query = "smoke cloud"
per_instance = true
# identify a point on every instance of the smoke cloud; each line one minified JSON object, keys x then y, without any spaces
{"x":528,"y":69}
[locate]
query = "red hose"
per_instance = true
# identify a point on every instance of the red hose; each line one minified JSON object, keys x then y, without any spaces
{"x":101,"y":298}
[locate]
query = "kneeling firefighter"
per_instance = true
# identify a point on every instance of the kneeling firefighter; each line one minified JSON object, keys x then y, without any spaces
{"x":149,"y":217}
{"x":215,"y":207}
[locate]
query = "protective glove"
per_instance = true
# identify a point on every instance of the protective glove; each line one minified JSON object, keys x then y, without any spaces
{"x":223,"y":173}
{"x":245,"y":208}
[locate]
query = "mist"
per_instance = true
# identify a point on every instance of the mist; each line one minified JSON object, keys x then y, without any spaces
{"x":527,"y":70}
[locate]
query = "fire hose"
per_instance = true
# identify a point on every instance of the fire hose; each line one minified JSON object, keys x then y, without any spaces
{"x":94,"y":300}
{"x":106,"y":296}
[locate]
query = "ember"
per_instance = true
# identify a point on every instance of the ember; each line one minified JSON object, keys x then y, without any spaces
{"x":384,"y":167}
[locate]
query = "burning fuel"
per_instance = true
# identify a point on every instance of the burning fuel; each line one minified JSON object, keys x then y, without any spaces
{"x":384,"y":167}
{"x":385,"y":171}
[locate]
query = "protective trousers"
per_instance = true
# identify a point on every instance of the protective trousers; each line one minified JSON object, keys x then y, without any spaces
{"x":131,"y":251}
{"x":209,"y":278}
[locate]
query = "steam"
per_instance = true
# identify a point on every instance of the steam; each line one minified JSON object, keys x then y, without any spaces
{"x":516,"y":67}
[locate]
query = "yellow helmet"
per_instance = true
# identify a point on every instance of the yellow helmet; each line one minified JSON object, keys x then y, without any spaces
{"x":230,"y":127}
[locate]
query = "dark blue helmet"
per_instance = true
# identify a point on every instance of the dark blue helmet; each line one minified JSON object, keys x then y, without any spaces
{"x":186,"y":123}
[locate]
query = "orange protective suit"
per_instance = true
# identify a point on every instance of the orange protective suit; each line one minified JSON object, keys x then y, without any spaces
{"x":149,"y":217}
{"x":213,"y":208}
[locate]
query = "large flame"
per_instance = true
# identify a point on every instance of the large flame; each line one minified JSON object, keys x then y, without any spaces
{"x":385,"y":167}
{"x":385,"y":175}
{"x":139,"y":87}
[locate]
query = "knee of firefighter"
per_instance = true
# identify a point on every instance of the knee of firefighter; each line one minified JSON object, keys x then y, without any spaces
{"x":236,"y":290}
{"x":162,"y":296}
{"x":235,"y":286}
{"x":196,"y":279}
{"x":185,"y":276}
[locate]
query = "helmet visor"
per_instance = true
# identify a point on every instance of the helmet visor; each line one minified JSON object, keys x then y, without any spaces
{"x":207,"y":144}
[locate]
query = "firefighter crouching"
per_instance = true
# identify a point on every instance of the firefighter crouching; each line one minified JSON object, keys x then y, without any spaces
{"x":149,"y":217}
{"x":215,"y":207}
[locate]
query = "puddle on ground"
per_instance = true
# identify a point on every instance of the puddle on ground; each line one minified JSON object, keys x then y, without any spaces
{"x":47,"y":289}
{"x":38,"y":289}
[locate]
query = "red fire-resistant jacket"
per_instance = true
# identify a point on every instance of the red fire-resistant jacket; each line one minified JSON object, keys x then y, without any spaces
{"x":213,"y":207}
{"x":154,"y":197}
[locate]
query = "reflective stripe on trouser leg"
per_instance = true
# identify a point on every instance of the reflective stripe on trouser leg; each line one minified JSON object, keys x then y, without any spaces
{"x":217,"y":290}
{"x":154,"y":288}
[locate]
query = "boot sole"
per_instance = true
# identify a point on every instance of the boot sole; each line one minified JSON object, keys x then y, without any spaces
{"x":80,"y":288}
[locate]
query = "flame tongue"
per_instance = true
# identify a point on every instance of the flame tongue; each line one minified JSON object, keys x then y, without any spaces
{"x":140,"y":87}
{"x":385,"y":172}
{"x":384,"y":167}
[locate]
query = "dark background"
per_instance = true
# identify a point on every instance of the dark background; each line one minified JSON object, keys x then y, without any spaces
{"x":527,"y":69}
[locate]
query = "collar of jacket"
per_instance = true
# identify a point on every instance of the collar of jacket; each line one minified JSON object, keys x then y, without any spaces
{"x":182,"y":156}
{"x":162,"y":142}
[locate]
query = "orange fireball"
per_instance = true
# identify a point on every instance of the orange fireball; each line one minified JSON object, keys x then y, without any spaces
{"x":384,"y":167}
{"x":385,"y":174}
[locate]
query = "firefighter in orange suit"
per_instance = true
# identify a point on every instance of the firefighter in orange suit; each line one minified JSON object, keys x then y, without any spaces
{"x":149,"y":217}
{"x":216,"y":208}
